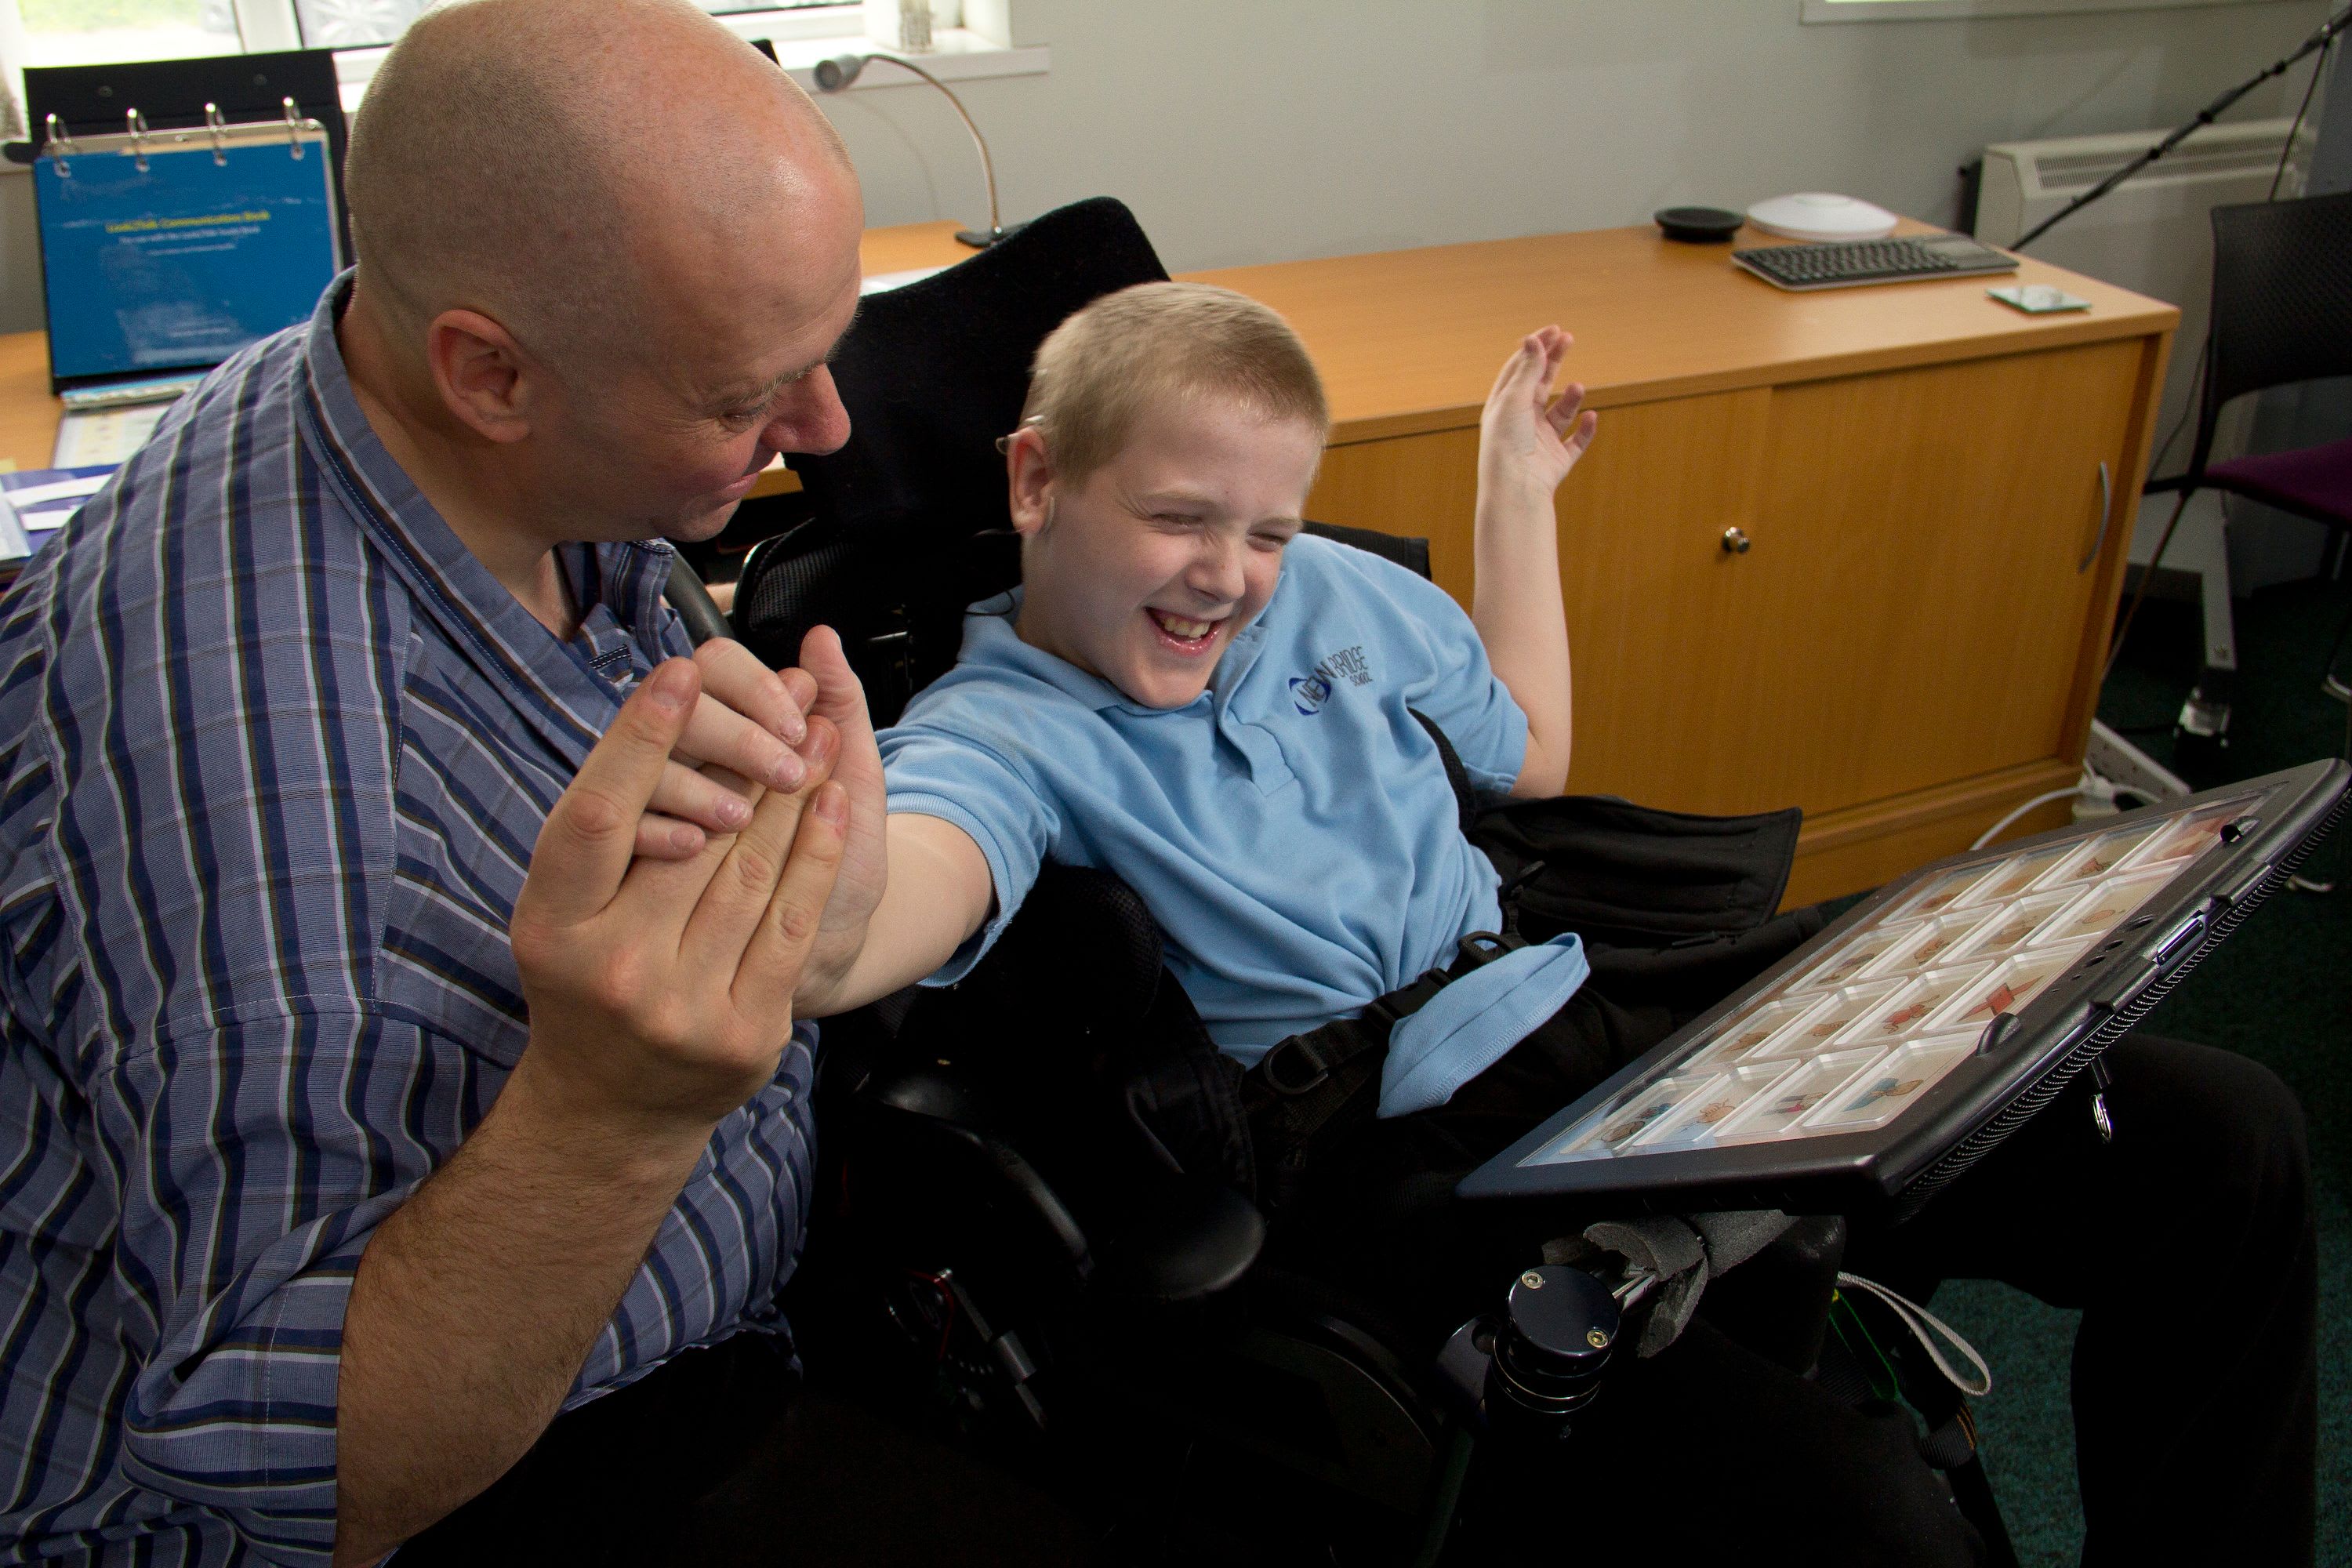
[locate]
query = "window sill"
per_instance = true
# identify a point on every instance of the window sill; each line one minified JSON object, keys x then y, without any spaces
{"x":958,"y":54}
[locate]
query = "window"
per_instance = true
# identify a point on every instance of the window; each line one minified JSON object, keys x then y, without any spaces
{"x":99,"y":32}
{"x":1924,"y":10}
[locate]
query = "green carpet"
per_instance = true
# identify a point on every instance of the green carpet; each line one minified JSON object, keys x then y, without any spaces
{"x":2280,"y":991}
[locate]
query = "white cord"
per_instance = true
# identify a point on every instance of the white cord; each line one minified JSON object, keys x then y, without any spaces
{"x":1994,"y":832}
{"x":1918,"y":1319}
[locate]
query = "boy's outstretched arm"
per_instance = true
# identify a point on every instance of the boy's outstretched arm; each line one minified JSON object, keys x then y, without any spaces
{"x":940,"y":892}
{"x":911,"y":888}
{"x":1526,"y":443}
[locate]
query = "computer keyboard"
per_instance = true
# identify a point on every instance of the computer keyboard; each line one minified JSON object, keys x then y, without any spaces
{"x":1841,"y":263}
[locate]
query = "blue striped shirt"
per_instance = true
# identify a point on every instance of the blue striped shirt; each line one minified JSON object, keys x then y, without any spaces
{"x":274,"y":749}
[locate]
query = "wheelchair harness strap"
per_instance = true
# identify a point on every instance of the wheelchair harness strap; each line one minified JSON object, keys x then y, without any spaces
{"x":1305,"y":1082}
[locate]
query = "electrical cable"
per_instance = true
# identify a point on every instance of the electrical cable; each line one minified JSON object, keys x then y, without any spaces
{"x":1990,"y":834}
{"x":2148,"y":572}
{"x":2318,"y":69}
{"x":2317,"y":43}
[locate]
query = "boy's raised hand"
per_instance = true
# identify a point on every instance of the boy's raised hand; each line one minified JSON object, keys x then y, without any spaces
{"x":1528,"y":440}
{"x":840,"y":699}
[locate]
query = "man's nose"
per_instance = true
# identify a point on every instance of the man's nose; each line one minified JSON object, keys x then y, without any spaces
{"x":809,"y":416}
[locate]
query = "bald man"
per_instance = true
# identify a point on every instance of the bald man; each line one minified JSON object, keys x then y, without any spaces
{"x":400,"y":1045}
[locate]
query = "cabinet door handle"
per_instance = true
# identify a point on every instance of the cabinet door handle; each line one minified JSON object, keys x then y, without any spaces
{"x":2107,"y":508}
{"x":1735,"y":541}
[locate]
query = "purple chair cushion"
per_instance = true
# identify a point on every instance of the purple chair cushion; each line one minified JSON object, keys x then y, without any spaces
{"x":2316,"y":482}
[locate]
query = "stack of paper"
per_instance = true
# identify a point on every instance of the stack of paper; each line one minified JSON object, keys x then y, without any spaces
{"x":36,"y":504}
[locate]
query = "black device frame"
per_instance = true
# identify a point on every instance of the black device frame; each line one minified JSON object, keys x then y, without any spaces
{"x":2021,"y":1060}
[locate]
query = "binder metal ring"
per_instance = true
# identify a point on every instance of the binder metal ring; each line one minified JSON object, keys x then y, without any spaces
{"x":293,"y":128}
{"x":62,"y":142}
{"x":134,"y":126}
{"x":219,"y":127}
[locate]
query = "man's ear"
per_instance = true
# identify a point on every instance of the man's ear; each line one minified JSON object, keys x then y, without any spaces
{"x":485,"y":379}
{"x":1029,"y":479}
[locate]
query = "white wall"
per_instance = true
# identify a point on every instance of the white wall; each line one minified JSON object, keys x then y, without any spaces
{"x":1247,"y":131}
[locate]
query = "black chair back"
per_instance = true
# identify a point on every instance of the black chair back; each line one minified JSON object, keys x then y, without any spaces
{"x":2282,"y":301}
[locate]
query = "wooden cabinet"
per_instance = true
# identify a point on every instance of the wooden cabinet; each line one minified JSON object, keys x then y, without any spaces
{"x":1910,"y":643}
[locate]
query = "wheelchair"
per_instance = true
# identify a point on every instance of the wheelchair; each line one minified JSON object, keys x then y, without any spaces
{"x":1036,"y":1227}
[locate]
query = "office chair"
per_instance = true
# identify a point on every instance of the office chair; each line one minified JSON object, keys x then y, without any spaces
{"x":1036,"y":1217}
{"x":2282,"y":313}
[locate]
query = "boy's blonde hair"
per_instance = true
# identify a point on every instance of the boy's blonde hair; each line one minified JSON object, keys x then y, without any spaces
{"x":1098,"y":372}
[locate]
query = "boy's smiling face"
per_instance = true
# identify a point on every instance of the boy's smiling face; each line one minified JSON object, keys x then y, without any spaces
{"x":1143,"y":572}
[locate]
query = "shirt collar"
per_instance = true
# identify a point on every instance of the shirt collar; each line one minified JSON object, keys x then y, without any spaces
{"x":560,"y":685}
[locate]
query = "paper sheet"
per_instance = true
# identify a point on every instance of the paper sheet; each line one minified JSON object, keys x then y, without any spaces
{"x":88,"y":437}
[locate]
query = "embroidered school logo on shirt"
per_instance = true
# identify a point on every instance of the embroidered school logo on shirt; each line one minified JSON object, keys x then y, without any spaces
{"x":1309,"y":692}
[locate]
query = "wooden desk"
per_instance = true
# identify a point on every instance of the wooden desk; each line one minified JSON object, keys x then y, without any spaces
{"x":1911,"y":645}
{"x":1907,"y":649}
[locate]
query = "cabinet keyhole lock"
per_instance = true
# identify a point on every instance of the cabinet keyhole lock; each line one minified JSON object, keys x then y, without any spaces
{"x":1735,"y":541}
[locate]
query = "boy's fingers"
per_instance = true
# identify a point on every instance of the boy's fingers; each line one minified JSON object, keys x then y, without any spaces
{"x":770,"y":970}
{"x":725,"y":737}
{"x":1564,"y":410}
{"x":703,"y":798}
{"x":1581,"y":437}
{"x":801,"y":687}
{"x":663,"y":838}
{"x":733,"y":675}
{"x":840,"y":696}
{"x":745,"y":878}
{"x":585,"y":846}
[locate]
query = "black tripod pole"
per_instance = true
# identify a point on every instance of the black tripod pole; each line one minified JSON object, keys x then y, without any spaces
{"x":2205,"y":115}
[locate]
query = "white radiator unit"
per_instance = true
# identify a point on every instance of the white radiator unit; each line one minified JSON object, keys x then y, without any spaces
{"x":2151,"y":234}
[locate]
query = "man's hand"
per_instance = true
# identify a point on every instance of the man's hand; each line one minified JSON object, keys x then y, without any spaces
{"x":840,"y":702}
{"x":1527,"y":441}
{"x":661,"y":994}
{"x":660,"y":989}
{"x":746,"y":734}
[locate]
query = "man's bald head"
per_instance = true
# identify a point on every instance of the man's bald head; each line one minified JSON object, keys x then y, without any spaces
{"x":564,"y":168}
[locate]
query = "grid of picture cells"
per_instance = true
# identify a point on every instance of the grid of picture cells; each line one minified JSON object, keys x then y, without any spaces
{"x":1850,"y":1042}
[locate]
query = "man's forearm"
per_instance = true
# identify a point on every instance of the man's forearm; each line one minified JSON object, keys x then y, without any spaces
{"x":475,"y":1303}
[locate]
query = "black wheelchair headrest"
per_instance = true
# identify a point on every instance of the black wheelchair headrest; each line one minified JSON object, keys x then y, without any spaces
{"x":933,"y":372}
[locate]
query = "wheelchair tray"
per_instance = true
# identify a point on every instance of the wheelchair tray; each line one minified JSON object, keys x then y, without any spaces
{"x":1896,"y":1048}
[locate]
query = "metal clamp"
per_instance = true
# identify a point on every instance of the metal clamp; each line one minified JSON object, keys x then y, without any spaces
{"x":2107,"y":513}
{"x":62,"y":144}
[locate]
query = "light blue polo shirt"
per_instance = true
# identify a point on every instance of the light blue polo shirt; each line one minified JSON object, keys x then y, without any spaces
{"x":1292,"y":829}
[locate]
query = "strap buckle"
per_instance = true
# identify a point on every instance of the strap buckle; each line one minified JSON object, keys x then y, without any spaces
{"x":1406,"y":1000}
{"x":1275,"y":1075}
{"x":1477,"y":949}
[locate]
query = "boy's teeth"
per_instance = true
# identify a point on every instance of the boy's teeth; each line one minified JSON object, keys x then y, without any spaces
{"x":1179,"y":627}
